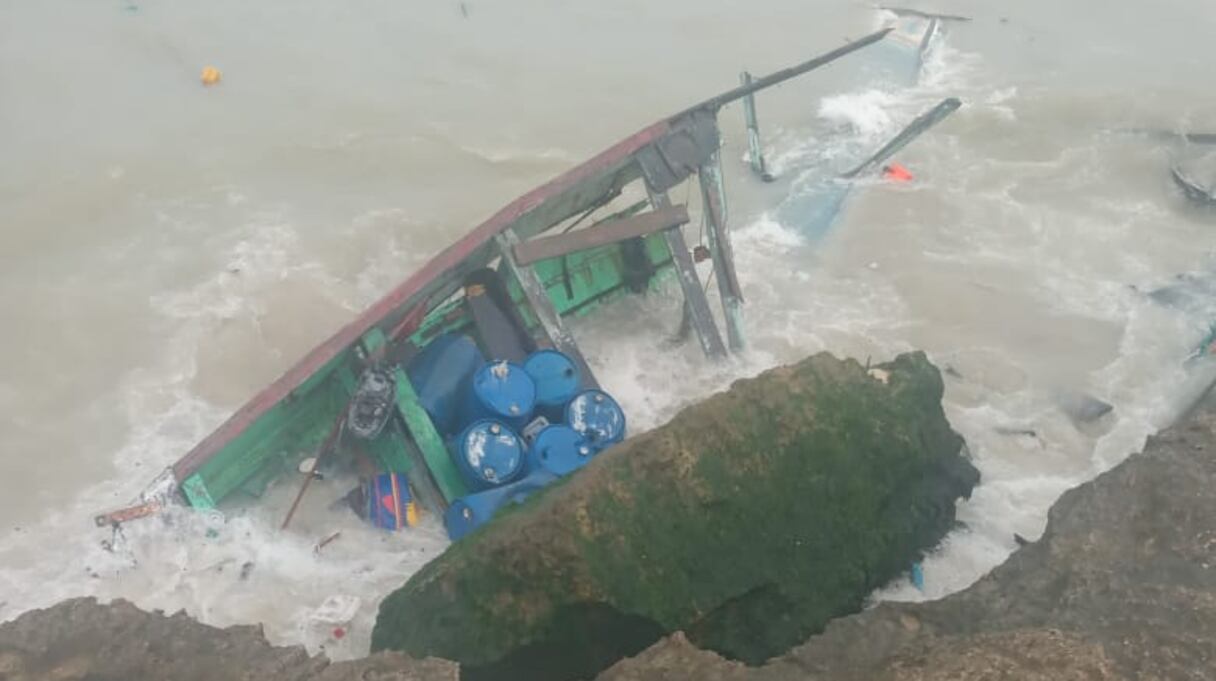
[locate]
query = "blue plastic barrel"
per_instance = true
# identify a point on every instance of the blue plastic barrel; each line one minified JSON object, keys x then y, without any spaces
{"x":597,"y":417}
{"x":489,"y":454}
{"x":557,"y":380}
{"x":474,"y":510}
{"x":500,"y":390}
{"x":440,"y":374}
{"x":559,"y":449}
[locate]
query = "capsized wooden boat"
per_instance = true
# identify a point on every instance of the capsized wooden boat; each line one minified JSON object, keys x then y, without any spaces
{"x":508,"y":286}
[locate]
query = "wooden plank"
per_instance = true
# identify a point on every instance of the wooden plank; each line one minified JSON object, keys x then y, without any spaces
{"x":602,"y":234}
{"x":289,"y":430}
{"x":710,"y":178}
{"x":542,"y":306}
{"x":430,"y":443}
{"x":696,"y":307}
{"x":428,"y":440}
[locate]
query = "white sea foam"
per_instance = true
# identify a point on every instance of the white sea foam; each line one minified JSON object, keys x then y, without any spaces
{"x":1007,"y":260}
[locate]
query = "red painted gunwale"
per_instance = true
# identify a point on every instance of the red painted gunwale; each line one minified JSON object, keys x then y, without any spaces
{"x":403,"y":295}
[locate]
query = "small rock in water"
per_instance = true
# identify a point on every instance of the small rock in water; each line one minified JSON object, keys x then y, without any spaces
{"x":1081,"y":407}
{"x":246,"y":568}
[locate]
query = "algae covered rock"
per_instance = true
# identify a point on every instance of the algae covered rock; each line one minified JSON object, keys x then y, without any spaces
{"x":748,"y":521}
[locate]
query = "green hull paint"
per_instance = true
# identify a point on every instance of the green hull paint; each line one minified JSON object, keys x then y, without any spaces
{"x":293,"y":414}
{"x":282,"y":436}
{"x":296,"y":426}
{"x":442,"y":470}
{"x":595,"y":278}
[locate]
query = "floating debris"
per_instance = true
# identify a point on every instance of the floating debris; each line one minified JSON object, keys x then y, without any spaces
{"x":210,"y":76}
{"x":326,"y":542}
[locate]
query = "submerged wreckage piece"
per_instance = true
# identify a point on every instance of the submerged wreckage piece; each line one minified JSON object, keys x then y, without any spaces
{"x":1193,"y":165}
{"x":816,"y":205}
{"x":391,"y":395}
{"x":822,"y":187}
{"x":1193,"y":172}
{"x":898,"y":61}
{"x":1196,"y":191}
{"x":748,"y":521}
{"x":1192,"y":293}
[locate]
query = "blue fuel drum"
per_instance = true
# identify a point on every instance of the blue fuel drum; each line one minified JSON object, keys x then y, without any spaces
{"x":559,"y":449}
{"x":501,"y":390}
{"x":489,"y":454}
{"x":597,"y":417}
{"x":557,"y":380}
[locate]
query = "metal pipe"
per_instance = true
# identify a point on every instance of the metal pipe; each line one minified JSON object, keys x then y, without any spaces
{"x":715,"y":103}
{"x":755,"y":153}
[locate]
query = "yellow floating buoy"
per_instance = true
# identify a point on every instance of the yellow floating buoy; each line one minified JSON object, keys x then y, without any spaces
{"x":210,"y":76}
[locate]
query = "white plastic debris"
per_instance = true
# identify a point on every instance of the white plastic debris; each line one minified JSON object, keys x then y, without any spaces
{"x":336,"y":609}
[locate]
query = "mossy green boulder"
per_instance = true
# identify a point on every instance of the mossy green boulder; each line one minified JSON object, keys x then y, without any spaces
{"x":748,"y":521}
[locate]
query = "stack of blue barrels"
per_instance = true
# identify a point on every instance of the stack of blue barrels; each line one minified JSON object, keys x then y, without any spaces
{"x":512,"y":428}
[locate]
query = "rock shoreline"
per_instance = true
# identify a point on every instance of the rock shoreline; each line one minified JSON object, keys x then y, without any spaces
{"x":749,"y":521}
{"x":1121,"y":586}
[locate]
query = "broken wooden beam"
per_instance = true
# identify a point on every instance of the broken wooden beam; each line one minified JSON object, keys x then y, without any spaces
{"x":542,"y":307}
{"x":696,"y":306}
{"x":710,"y":177}
{"x":601,"y":234}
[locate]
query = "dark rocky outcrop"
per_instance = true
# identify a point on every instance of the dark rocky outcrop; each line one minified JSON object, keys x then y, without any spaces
{"x":1119,"y":588}
{"x":749,"y":521}
{"x":83,"y":640}
{"x":1122,"y":586}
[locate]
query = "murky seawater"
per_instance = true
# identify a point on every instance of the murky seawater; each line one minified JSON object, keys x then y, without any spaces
{"x":166,"y":249}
